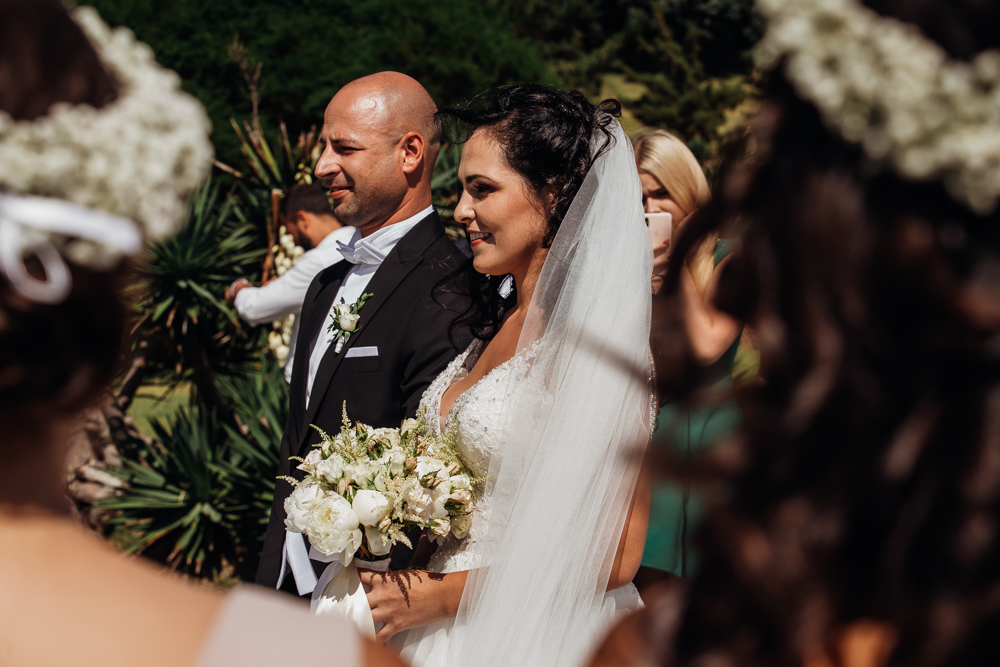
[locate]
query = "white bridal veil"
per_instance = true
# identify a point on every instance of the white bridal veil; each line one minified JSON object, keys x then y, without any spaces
{"x":578,"y":422}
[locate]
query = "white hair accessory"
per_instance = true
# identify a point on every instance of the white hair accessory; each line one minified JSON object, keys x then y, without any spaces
{"x":36,"y":224}
{"x":131,"y":162}
{"x":883,"y":84}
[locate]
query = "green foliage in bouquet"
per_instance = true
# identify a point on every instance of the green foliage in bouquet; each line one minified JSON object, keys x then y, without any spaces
{"x":199,"y":495}
{"x":187,"y":331}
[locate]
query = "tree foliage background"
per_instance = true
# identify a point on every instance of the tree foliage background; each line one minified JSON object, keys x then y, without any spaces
{"x":310,"y":48}
{"x":199,"y":489}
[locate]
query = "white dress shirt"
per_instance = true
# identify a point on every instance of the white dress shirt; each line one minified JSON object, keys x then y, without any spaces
{"x":368,"y":253}
{"x":284,"y":295}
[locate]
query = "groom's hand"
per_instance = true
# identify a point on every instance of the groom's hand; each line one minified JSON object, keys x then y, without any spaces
{"x":411,"y":598}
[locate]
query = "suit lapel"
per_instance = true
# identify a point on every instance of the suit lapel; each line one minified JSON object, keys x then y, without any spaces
{"x":309,"y":329}
{"x":397,"y":265}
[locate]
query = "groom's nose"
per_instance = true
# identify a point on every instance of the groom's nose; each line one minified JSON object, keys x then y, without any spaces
{"x":328,"y":165}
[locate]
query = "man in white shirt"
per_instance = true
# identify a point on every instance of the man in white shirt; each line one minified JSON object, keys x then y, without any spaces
{"x":309,"y":218}
{"x":400,"y":274}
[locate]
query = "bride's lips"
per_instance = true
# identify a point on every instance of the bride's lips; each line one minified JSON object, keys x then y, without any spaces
{"x":478,"y":238}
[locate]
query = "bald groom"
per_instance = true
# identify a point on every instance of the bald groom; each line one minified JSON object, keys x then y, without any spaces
{"x":380,"y":141}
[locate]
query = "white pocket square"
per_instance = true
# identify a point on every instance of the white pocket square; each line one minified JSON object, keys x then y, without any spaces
{"x":371,"y":351}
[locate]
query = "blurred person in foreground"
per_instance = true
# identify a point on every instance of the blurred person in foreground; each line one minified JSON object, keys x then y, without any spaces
{"x":673,"y":182}
{"x":308,"y":217}
{"x":861,"y":522}
{"x":74,"y":96}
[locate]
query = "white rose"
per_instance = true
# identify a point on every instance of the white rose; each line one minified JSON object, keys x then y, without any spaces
{"x":460,"y":525}
{"x":370,"y":506}
{"x":333,"y":527}
{"x":427,"y":465}
{"x":299,"y":503}
{"x":346,"y":320}
{"x":378,"y":543}
{"x":386,"y":435}
{"x":441,"y":527}
{"x":312,"y":458}
{"x":461,"y":496}
{"x":407,"y":426}
{"x":361,"y":473}
{"x":331,"y":469}
{"x":394,"y":461}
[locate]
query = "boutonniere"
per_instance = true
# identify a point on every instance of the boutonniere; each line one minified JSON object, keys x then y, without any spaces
{"x":345,"y":318}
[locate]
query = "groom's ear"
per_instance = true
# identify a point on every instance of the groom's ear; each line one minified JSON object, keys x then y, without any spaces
{"x":414,"y":152}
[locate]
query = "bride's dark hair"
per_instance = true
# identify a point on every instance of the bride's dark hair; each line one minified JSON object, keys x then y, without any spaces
{"x":865,"y":481}
{"x":53,"y":358}
{"x":545,"y":135}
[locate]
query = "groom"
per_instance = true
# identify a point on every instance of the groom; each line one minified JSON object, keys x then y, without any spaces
{"x":380,"y":140}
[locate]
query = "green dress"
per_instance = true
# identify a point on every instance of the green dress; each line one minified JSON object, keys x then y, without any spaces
{"x":675,"y":510}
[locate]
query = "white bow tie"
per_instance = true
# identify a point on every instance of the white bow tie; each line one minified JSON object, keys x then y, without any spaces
{"x":361,"y":253}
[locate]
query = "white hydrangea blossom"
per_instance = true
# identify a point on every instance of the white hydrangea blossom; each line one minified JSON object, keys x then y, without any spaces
{"x":135,"y":158}
{"x":286,"y":253}
{"x":884,"y":85}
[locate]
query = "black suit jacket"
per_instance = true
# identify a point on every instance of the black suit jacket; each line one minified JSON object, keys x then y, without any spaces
{"x":408,"y":318}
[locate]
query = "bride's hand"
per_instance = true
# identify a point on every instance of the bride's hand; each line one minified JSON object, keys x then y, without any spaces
{"x":411,"y":598}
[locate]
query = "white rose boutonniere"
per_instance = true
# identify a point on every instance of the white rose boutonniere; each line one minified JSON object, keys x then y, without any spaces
{"x":345,"y":317}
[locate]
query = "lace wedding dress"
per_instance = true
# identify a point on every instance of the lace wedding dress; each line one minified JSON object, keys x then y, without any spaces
{"x":475,"y":419}
{"x":558,"y":433}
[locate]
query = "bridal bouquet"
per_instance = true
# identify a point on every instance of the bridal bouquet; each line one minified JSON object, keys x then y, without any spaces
{"x":365,"y":487}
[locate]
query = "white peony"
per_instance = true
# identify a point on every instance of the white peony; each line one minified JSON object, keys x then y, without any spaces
{"x":420,"y":502}
{"x":333,"y":527}
{"x":346,"y":320}
{"x":299,"y":504}
{"x":370,"y":506}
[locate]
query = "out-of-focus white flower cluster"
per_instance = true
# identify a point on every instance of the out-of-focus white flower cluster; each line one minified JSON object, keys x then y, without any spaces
{"x":286,"y":253}
{"x":135,"y":158}
{"x":365,"y":487}
{"x":883,"y":84}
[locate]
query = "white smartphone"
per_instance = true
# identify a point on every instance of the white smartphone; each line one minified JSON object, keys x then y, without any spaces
{"x":660,"y":227}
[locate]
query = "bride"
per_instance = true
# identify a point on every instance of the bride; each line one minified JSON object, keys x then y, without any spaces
{"x":551,"y":405}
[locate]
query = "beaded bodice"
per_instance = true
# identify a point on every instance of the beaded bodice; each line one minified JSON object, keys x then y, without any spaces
{"x":475,"y":420}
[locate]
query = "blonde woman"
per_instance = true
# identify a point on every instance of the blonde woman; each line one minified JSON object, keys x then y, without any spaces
{"x":673,"y":182}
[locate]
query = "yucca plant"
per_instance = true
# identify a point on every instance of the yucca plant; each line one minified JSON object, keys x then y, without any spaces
{"x":185,"y":329}
{"x":445,"y":188}
{"x":198,"y":497}
{"x":270,"y":174}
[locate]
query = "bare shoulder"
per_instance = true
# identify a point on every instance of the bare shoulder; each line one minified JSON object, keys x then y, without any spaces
{"x":107,"y":609}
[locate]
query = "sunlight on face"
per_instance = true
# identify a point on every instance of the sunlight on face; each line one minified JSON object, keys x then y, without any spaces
{"x":360,"y":162}
{"x":656,"y":198}
{"x":505,"y":220}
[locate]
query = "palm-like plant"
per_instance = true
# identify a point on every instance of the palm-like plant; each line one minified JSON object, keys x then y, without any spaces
{"x":199,"y":496}
{"x":445,"y":188}
{"x":272,"y":173}
{"x":185,"y":327}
